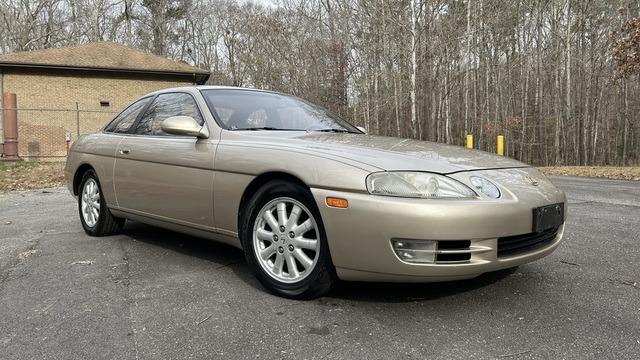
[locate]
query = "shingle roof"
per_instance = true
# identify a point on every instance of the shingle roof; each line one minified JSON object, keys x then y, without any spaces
{"x":100,"y":55}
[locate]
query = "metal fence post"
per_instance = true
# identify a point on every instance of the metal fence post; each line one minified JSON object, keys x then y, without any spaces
{"x":78,"y":118}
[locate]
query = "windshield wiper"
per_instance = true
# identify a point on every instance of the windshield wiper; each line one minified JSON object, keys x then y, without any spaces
{"x":343,"y":131}
{"x":270,"y":128}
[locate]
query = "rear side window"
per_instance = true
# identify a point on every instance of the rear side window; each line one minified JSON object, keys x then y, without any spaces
{"x":166,"y":106}
{"x":122,"y":123}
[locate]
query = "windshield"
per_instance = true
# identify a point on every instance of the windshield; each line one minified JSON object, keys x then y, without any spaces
{"x":255,"y":110}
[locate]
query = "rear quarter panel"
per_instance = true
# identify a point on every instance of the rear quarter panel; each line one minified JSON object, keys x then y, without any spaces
{"x":96,"y":151}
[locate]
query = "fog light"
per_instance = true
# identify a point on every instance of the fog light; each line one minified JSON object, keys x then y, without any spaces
{"x":416,"y":251}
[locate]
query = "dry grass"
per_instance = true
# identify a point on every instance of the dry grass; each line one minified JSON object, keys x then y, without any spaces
{"x":26,"y":175}
{"x":610,"y":172}
{"x":21,"y":175}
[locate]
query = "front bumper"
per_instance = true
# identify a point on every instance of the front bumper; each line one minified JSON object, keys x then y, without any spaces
{"x":360,"y":236}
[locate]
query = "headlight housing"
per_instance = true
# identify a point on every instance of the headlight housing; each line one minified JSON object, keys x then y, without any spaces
{"x":485,"y":186}
{"x":416,"y":185}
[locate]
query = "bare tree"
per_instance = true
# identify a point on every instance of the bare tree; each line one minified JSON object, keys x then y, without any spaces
{"x":538,"y":72}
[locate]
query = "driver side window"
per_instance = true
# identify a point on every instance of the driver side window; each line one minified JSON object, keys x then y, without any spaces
{"x":166,"y":106}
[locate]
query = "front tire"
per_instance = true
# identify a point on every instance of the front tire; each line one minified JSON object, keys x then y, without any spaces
{"x":95,"y":216}
{"x":285,"y":243}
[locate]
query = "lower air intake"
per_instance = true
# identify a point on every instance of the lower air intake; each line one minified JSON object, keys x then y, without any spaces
{"x":519,"y":244}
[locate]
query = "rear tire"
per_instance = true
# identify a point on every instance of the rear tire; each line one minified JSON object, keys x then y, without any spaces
{"x":285,"y":243}
{"x":95,"y":216}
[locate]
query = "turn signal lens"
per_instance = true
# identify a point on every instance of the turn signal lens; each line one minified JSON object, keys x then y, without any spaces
{"x":337,"y":202}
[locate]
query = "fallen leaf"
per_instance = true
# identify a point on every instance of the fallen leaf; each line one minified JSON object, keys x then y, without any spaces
{"x":83,"y":262}
{"x":26,"y":254}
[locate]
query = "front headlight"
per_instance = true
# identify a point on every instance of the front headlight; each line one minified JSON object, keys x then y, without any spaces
{"x":485,"y":186}
{"x":416,"y":185}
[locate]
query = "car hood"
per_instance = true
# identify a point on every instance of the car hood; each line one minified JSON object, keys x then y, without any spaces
{"x":388,"y":153}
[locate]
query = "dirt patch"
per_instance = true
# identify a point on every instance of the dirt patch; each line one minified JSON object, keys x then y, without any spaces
{"x":21,"y":175}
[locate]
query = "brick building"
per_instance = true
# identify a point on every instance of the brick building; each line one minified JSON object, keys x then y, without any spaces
{"x":77,"y":89}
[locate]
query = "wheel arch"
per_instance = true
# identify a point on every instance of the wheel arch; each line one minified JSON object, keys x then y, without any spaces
{"x":258,"y":183}
{"x":77,"y":176}
{"x":261,"y":191}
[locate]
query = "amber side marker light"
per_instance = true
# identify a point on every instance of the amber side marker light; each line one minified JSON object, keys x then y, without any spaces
{"x":337,"y":202}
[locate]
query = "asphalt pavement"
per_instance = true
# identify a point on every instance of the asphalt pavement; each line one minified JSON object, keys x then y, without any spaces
{"x":154,"y":294}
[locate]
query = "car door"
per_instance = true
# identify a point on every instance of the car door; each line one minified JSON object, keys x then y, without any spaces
{"x":163,"y":176}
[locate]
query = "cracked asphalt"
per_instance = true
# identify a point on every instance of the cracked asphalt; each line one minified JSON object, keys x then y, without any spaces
{"x":154,"y":294}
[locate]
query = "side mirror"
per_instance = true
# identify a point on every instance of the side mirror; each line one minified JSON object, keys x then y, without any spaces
{"x":184,"y":126}
{"x":362,"y":128}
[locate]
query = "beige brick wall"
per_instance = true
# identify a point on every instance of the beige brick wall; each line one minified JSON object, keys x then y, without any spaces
{"x":42,"y":133}
{"x":63,"y":92}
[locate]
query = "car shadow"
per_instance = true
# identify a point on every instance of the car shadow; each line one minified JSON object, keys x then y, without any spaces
{"x":219,"y":254}
{"x":411,"y":292}
{"x":233,"y":258}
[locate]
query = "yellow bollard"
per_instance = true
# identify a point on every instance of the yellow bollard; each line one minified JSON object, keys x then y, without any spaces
{"x":501,"y":145}
{"x":470,"y":141}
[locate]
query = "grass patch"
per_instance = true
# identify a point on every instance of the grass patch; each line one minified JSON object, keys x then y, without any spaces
{"x":19,"y":165}
{"x":26,"y":175}
{"x":609,"y":172}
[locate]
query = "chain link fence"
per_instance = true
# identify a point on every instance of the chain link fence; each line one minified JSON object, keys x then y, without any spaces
{"x":45,"y":134}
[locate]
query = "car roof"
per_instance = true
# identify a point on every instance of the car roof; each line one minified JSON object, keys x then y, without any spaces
{"x":209,"y":87}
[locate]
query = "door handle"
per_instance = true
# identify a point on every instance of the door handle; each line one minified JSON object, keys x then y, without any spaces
{"x":124,"y":151}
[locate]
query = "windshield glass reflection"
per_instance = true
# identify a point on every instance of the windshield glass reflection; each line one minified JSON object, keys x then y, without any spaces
{"x":255,"y":110}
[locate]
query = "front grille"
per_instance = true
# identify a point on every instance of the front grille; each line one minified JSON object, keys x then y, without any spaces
{"x":514,"y":245}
